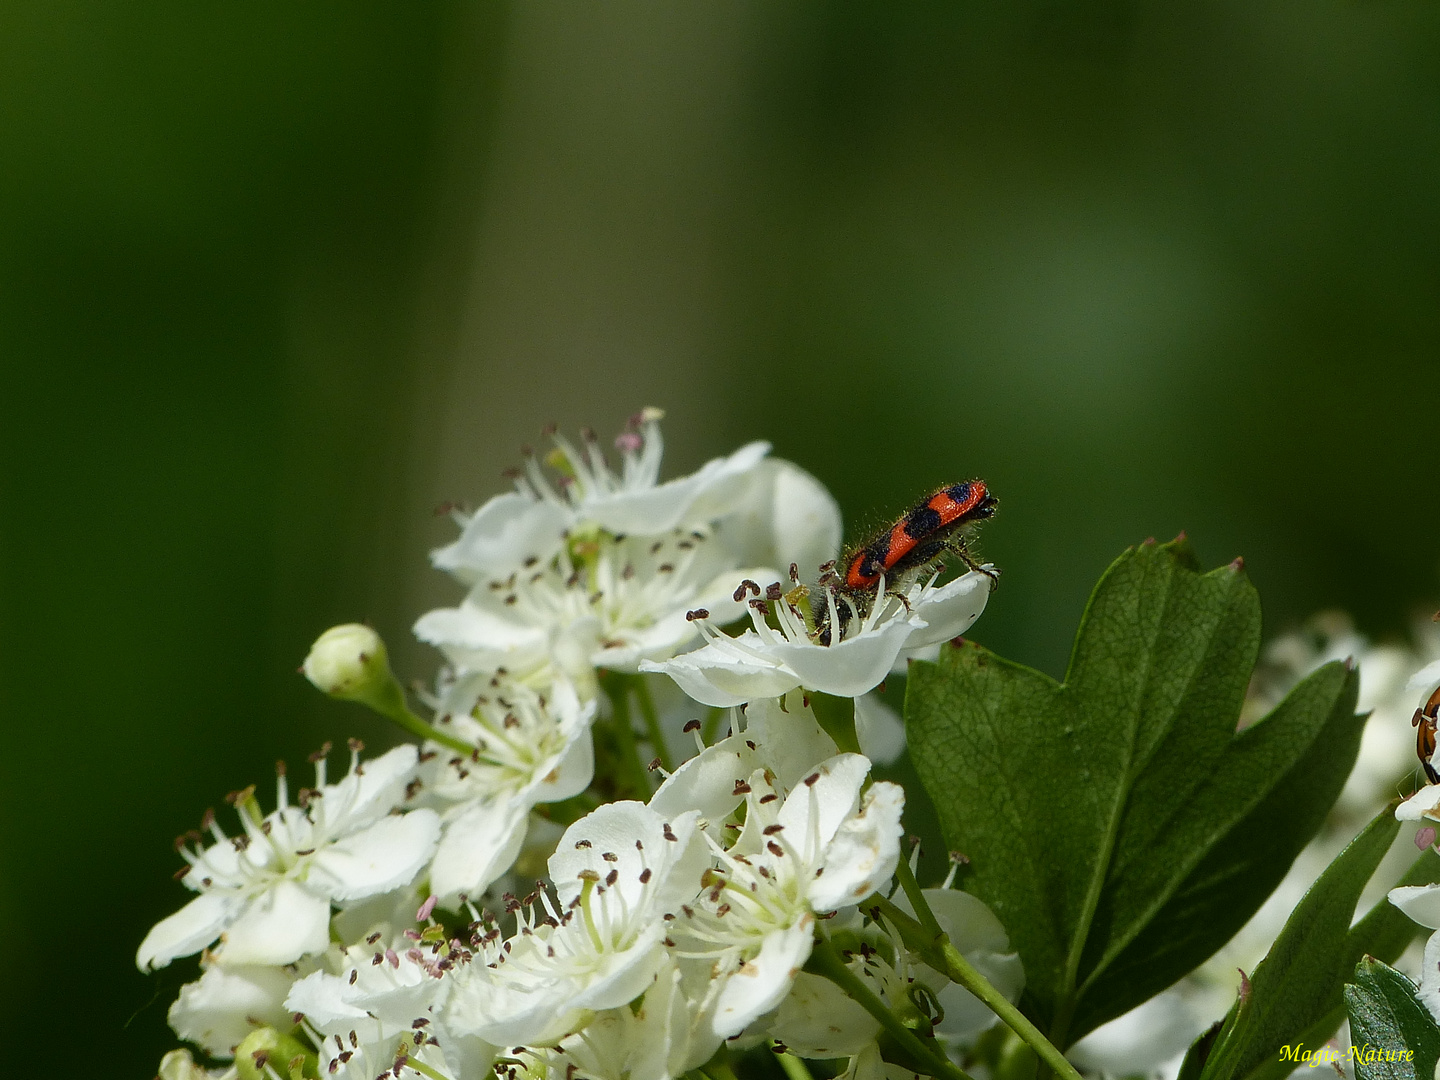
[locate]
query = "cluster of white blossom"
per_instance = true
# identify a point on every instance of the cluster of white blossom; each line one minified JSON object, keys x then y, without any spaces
{"x":374,"y":925}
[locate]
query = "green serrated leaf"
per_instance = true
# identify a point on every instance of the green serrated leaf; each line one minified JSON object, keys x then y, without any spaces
{"x":1247,"y":855}
{"x":1116,"y":822}
{"x":1299,"y":980}
{"x":1384,"y":933}
{"x":1392,"y":1035}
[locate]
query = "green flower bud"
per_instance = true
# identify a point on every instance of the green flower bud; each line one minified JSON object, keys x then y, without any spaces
{"x":284,"y":1054}
{"x":350,"y":662}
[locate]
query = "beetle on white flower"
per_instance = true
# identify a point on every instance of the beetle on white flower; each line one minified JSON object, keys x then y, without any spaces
{"x":769,"y":660}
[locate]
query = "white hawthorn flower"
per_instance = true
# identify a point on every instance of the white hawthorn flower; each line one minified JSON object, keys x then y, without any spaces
{"x":599,"y":569}
{"x":820,"y":849}
{"x":658,"y":1040}
{"x":530,"y":748}
{"x":586,"y":490}
{"x":599,"y":601}
{"x":225,"y":1004}
{"x":267,"y":892}
{"x":779,"y":736}
{"x":617,"y":872}
{"x":768,"y":661}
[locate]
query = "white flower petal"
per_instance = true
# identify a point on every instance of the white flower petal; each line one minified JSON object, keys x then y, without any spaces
{"x":879,"y":729}
{"x":189,"y":930}
{"x":502,"y":534}
{"x":615,"y":829}
{"x":1430,"y":977}
{"x":509,"y":1014}
{"x":392,"y":992}
{"x":813,"y":812}
{"x":791,"y":742}
{"x":376,"y":859}
{"x":375,"y":788}
{"x":854,"y":666}
{"x":570,"y":772}
{"x":1420,"y":902}
{"x":950,"y":610}
{"x":786,"y":517}
{"x":479,"y":636}
{"x":627,"y":974}
{"x":805,"y":519}
{"x":1418,"y":805}
{"x":715,"y":676}
{"x":226,"y":1003}
{"x":279,"y":926}
{"x":869,"y":1065}
{"x":965,"y":1014}
{"x":819,"y":1020}
{"x":762,"y":983}
{"x":929,"y":653}
{"x":478,"y":846}
{"x":706,"y":783}
{"x":862,"y":856}
{"x":323,"y":999}
{"x":966,"y":919}
{"x":701,"y":496}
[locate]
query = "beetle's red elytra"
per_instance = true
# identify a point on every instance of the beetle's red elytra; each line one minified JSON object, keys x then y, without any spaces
{"x":921,"y":534}
{"x":916,"y":540}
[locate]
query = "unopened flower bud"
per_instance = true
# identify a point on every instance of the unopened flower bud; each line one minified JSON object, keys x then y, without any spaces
{"x":348,"y":662}
{"x":266,"y":1053}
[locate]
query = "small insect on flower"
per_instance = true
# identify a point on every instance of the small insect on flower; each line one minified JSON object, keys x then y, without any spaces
{"x":938,"y":524}
{"x":1425,"y":721}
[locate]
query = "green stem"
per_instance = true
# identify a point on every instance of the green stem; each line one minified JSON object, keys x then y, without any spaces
{"x":424,"y":1070}
{"x":825,"y":961}
{"x":937,"y":951}
{"x":652,"y":722}
{"x":393,"y":706}
{"x":636,"y":780}
{"x":717,"y":1068}
{"x":794,"y":1068}
{"x":916,"y":895}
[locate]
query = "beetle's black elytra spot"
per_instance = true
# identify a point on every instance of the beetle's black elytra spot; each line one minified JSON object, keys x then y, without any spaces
{"x":922,"y":521}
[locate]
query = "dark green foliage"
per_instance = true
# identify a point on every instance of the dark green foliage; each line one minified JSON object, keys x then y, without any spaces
{"x":1299,"y":982}
{"x":1383,"y":933}
{"x":1117,"y":824}
{"x":1392,"y":1033}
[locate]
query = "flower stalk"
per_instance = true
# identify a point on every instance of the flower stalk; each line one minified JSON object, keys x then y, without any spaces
{"x":634,"y":780}
{"x":653,"y":731}
{"x":937,"y":951}
{"x":826,"y":962}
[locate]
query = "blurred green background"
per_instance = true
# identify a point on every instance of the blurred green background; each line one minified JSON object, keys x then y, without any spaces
{"x":276,"y":280}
